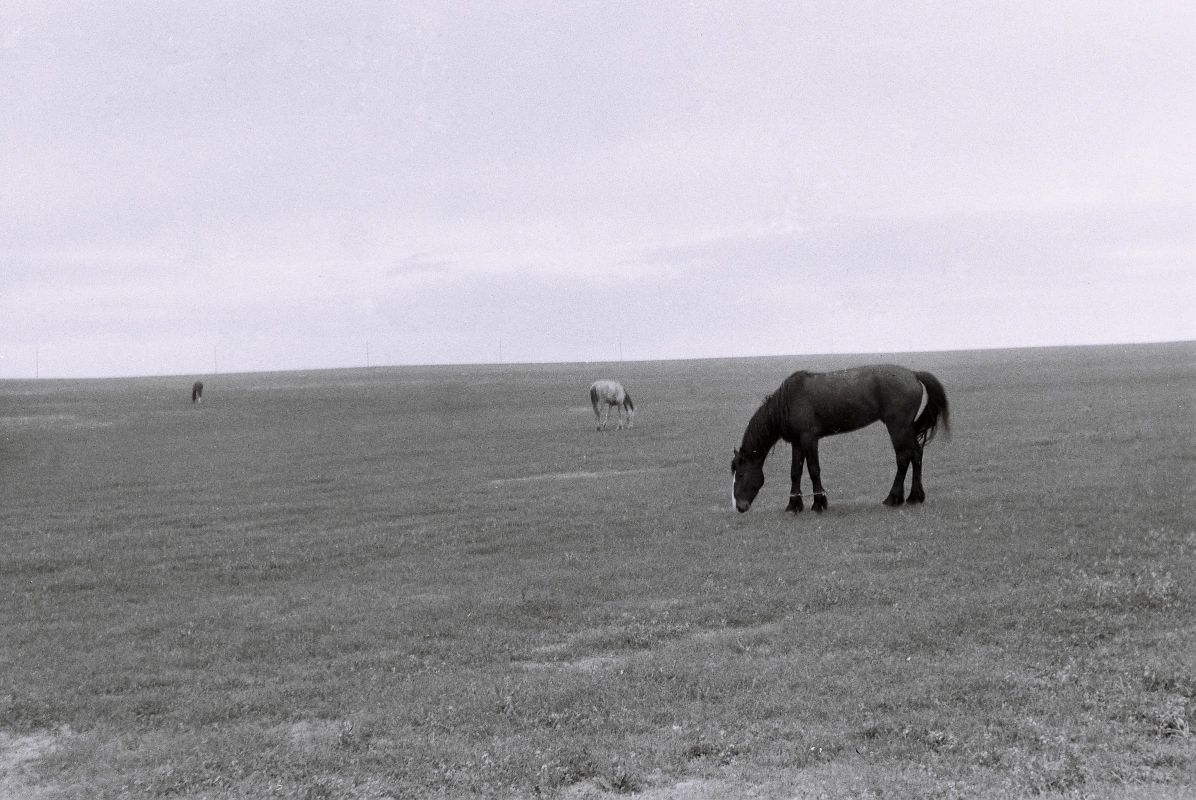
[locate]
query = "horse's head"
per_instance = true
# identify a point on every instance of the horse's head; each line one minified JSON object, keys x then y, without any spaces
{"x":749,"y":477}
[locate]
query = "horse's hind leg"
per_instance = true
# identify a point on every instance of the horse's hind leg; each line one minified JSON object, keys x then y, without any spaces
{"x":916,"y":493}
{"x":904,"y":446}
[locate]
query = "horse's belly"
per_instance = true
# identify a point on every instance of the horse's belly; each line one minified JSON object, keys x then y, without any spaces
{"x":847,"y":420}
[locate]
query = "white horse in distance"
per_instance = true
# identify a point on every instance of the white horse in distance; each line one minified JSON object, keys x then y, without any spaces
{"x":604,"y":395}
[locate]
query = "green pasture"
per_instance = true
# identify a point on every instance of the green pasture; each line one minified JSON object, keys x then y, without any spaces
{"x":440,"y":582}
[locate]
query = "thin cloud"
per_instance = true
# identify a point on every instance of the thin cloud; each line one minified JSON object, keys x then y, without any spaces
{"x":361,"y":169}
{"x":420,"y":263}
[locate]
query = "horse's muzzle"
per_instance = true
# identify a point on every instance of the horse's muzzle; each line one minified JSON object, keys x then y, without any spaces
{"x":742,"y":505}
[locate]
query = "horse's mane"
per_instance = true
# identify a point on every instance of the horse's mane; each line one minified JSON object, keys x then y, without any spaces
{"x":764,"y":429}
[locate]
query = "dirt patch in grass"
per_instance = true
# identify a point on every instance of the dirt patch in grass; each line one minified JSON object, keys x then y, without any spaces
{"x":17,"y":756}
{"x":572,"y":476}
{"x":587,"y":664}
{"x":48,"y":422}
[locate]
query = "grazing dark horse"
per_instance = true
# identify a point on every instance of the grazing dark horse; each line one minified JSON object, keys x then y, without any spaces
{"x":197,"y":392}
{"x":609,"y":394}
{"x":810,"y":405}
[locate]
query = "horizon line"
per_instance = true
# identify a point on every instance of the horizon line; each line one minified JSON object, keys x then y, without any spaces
{"x":376,"y":367}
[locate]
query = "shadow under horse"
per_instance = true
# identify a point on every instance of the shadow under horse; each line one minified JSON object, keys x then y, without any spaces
{"x":811,"y":405}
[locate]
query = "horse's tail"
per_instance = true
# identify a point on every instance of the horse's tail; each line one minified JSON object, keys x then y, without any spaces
{"x":937,"y":410}
{"x":627,"y":402}
{"x":594,"y":398}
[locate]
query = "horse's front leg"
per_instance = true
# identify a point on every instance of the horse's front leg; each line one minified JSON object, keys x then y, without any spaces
{"x":809,"y":446}
{"x":795,"y":503}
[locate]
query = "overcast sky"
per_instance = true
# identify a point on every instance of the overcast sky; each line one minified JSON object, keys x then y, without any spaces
{"x":278,"y":185}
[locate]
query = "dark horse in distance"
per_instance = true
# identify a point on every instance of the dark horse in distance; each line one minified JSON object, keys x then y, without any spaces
{"x":197,"y":392}
{"x":810,"y":405}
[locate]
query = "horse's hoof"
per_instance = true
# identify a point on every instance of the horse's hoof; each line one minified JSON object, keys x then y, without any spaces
{"x":793,"y":508}
{"x":819,"y":504}
{"x":893,"y":501}
{"x":917,"y":496}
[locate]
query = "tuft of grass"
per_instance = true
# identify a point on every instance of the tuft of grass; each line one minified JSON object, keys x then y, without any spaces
{"x":1150,"y":587}
{"x":1169,"y":715}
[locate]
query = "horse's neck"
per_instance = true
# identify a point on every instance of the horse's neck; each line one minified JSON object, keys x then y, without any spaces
{"x":760,"y":436}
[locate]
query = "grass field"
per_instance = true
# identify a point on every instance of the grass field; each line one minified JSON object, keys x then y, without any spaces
{"x":442,"y":582}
